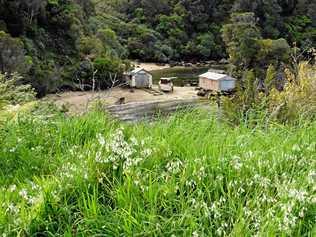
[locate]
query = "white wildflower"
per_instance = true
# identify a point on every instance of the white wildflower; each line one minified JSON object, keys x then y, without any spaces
{"x":195,"y":234}
{"x":301,"y":213}
{"x":85,"y":176}
{"x":134,"y":141}
{"x":299,"y":195}
{"x":13,"y":209}
{"x":176,"y":188}
{"x":220,"y":231}
{"x":289,"y":220}
{"x":131,"y":162}
{"x":174,"y":167}
{"x":32,"y":200}
{"x":23,"y":194}
{"x":296,"y":147}
{"x":265,"y":182}
{"x":34,"y":186}
{"x":222,"y":200}
{"x":236,"y":163}
{"x":12,"y":188}
{"x":220,"y":178}
{"x":249,"y":154}
{"x":98,"y":157}
{"x":101,"y":139}
{"x":200,"y":174}
{"x":241,"y":190}
{"x":193,"y":201}
{"x":190,"y":183}
{"x":12,"y":150}
{"x":146,"y":152}
{"x":247,"y":212}
{"x":312,"y":177}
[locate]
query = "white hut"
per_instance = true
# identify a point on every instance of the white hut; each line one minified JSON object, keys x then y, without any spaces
{"x":139,"y":78}
{"x":212,"y":81}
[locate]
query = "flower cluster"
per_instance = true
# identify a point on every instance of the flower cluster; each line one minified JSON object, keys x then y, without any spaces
{"x":29,"y":196}
{"x":120,"y":152}
{"x":174,"y":167}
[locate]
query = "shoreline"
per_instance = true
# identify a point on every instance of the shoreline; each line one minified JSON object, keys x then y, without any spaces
{"x":152,"y":66}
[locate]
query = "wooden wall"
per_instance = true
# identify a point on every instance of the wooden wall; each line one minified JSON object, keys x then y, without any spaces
{"x":208,"y":84}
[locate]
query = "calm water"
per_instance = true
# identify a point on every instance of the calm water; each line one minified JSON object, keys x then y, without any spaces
{"x":184,"y":75}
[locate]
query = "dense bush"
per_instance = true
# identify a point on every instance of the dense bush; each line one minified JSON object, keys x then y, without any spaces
{"x":298,"y":99}
{"x":46,"y":44}
{"x":294,"y":102}
{"x":241,"y":37}
{"x":50,"y":39}
{"x":12,"y":55}
{"x":12,"y":92}
{"x":178,"y":24}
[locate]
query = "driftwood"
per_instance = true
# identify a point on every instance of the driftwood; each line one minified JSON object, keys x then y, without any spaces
{"x":121,"y":101}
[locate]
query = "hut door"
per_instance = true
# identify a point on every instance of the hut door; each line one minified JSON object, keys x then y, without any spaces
{"x":142,"y":80}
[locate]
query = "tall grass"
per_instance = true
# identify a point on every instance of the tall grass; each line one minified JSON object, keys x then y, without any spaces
{"x":188,"y":175}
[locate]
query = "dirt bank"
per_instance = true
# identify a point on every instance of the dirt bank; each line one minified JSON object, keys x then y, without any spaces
{"x":77,"y":101}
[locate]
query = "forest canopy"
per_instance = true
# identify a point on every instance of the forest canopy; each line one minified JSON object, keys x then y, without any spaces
{"x":55,"y":43}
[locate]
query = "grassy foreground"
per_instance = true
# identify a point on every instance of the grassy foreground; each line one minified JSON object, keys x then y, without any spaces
{"x":190,"y":176}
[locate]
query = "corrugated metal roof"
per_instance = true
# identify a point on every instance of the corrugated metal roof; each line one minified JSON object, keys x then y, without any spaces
{"x":216,"y":76}
{"x":136,"y":70}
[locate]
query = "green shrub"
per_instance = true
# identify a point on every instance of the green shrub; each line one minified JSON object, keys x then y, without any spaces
{"x":12,"y":92}
{"x":91,"y":47}
{"x":298,"y":99}
{"x":273,"y":51}
{"x":108,"y":69}
{"x":111,"y":44}
{"x":12,"y":55}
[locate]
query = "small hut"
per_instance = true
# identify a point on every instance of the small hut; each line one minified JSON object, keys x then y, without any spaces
{"x":139,"y":78}
{"x":212,"y":81}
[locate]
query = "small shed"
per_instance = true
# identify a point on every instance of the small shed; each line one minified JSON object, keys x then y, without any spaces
{"x":139,"y":78}
{"x":212,"y":81}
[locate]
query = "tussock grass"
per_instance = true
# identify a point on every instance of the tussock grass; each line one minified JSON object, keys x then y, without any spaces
{"x":188,"y":175}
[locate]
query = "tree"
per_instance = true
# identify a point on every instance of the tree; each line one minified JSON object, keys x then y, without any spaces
{"x":20,"y":14}
{"x":111,"y":44}
{"x":241,"y":37}
{"x":105,"y":68}
{"x":202,"y":47}
{"x":273,"y":52}
{"x":268,"y":13}
{"x":32,"y":8}
{"x":12,"y":55}
{"x":90,"y":47}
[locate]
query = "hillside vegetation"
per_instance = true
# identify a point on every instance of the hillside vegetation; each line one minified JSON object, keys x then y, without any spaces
{"x":60,"y":44}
